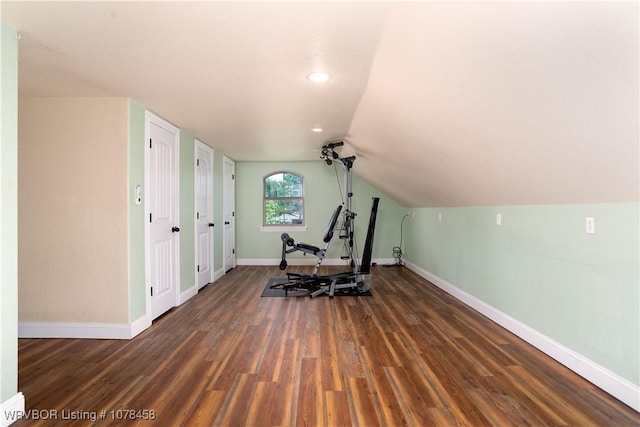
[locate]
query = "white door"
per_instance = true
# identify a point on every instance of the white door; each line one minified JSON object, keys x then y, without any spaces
{"x":161,"y":206}
{"x":204,"y":214}
{"x":229,"y":213}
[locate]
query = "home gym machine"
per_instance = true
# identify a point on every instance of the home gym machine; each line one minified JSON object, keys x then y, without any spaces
{"x":358,"y":279}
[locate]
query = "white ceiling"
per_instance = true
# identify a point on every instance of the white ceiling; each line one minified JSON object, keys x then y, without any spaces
{"x":445,"y":104}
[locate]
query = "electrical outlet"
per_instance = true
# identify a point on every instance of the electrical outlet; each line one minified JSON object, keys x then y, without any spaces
{"x":498,"y":219}
{"x":590,"y":225}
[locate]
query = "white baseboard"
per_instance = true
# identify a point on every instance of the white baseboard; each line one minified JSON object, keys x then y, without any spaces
{"x":139,"y":325}
{"x":122,"y":331}
{"x":292,"y":261}
{"x":305,"y":261}
{"x":620,"y":388}
{"x":218,"y":274}
{"x":188,"y":294}
{"x":383,"y":261}
{"x":12,"y":410}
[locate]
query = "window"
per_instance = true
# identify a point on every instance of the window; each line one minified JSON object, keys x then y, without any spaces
{"x":283,"y":201}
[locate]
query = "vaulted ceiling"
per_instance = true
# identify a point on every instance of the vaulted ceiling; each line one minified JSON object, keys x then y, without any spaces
{"x":443,"y":103}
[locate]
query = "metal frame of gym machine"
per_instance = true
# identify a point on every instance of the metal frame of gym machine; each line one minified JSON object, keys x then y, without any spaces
{"x":359,"y":278}
{"x":329,"y":155}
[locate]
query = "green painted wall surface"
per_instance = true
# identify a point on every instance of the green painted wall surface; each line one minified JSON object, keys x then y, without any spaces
{"x":218,"y":214}
{"x":8,"y":214}
{"x":541,"y":268}
{"x":322,"y":195}
{"x":137,"y":300}
{"x":187,"y":216}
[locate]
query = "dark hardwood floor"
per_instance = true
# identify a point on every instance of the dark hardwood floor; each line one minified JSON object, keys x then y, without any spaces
{"x":409,"y":355}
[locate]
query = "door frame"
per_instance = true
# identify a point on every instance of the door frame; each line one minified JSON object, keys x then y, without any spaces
{"x":150,"y":118}
{"x":226,"y":188}
{"x":199,"y":144}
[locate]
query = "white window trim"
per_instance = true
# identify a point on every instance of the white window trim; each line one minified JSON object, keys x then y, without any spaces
{"x":281,"y":228}
{"x":284,"y":227}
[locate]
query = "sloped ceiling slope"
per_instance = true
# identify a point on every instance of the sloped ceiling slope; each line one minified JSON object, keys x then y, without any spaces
{"x":503,"y":103}
{"x":444,"y":103}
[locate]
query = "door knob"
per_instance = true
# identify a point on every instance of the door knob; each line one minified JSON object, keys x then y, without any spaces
{"x":175,"y":229}
{"x":211,"y":224}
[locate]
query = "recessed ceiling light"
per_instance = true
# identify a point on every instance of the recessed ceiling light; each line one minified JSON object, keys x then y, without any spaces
{"x":316,"y":129}
{"x":319,"y":77}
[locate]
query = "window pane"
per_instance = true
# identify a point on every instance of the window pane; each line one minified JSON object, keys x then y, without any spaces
{"x":283,"y":212}
{"x":293,"y":185}
{"x":274,"y":185}
{"x":283,"y":185}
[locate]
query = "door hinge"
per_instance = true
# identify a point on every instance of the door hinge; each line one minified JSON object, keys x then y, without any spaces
{"x":150,"y":217}
{"x":233,"y":213}
{"x":198,"y":269}
{"x":197,"y":162}
{"x":197,"y":215}
{"x":233,"y":176}
{"x":152,"y":291}
{"x":150,"y":143}
{"x":233,"y":251}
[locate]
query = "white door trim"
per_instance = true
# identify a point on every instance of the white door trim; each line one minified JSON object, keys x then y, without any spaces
{"x":158,"y":121}
{"x":199,"y":145}
{"x":229,"y":193}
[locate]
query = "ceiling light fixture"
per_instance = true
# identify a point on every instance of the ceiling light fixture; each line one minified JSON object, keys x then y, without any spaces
{"x":317,"y":130}
{"x":319,"y":77}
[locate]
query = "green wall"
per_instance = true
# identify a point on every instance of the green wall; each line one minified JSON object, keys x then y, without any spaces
{"x":187,"y":216}
{"x":322,"y":195}
{"x":8,"y":214}
{"x":137,"y":297}
{"x":218,"y":214}
{"x":541,"y":268}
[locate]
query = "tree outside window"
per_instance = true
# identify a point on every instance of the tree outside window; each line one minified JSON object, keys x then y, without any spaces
{"x":283,"y":199}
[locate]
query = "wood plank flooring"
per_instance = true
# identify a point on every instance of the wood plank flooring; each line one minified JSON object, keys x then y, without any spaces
{"x":410,"y":355}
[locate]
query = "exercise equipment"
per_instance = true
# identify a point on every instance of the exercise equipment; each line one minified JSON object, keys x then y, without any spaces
{"x":358,"y":279}
{"x":331,"y":156}
{"x":307,"y":248}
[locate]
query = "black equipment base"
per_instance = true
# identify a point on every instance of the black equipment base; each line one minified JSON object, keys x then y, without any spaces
{"x":286,"y":287}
